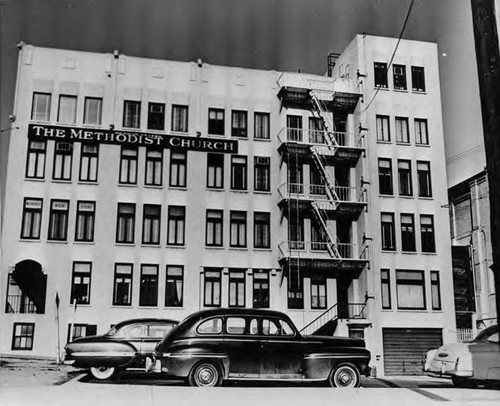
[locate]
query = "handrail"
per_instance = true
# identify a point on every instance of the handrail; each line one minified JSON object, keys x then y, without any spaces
{"x":320,"y":316}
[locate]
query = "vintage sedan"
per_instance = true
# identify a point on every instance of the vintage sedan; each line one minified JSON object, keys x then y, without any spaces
{"x":213,"y":345}
{"x":469,"y":363}
{"x":127,"y":345}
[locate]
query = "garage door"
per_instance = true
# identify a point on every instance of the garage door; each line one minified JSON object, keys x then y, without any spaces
{"x":405,"y":349}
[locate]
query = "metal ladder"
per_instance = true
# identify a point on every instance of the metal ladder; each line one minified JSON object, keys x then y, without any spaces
{"x":331,"y":243}
{"x":328,"y":123}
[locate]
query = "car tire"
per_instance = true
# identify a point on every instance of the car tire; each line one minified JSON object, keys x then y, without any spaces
{"x":205,"y":374}
{"x":344,"y":376}
{"x":462,"y":382}
{"x":103,"y":373}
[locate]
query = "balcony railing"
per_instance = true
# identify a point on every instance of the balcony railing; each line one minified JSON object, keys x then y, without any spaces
{"x":19,"y":304}
{"x":318,"y":192}
{"x":319,"y":137}
{"x":318,"y":249}
{"x":318,"y":83}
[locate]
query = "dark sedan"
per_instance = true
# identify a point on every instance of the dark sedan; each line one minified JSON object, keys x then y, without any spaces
{"x":126,"y":345}
{"x":212,"y":345}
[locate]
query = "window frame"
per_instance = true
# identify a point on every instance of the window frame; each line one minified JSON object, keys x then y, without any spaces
{"x":215,"y":170}
{"x":415,"y":79}
{"x":180,"y":124}
{"x":402,"y":130}
{"x":238,"y":238}
{"x":420,"y":137}
{"x":219,"y":222}
{"x":36,"y":154}
{"x":212,"y":280}
{"x":427,"y":182}
{"x":262,"y":174}
{"x":411,"y":282}
{"x":180,"y":165}
{"x":410,"y":234}
{"x":81,"y":274}
{"x":391,"y":227}
{"x":130,"y":223}
{"x":154,"y":222}
{"x":236,"y":280}
{"x":436,"y":285}
{"x":131,"y":119}
{"x":405,"y":178}
{"x":153,"y":167}
{"x":261,"y":227}
{"x":257,"y":302}
{"x":383,"y":123}
{"x":129,"y":157}
{"x":431,"y":233}
{"x":53,"y":235}
{"x":68,"y":97}
{"x":35,"y":115}
{"x":316,"y":283}
{"x":399,"y":78}
{"x":156,"y":120}
{"x":64,"y":170}
{"x":239,"y":172}
{"x":174,"y":278}
{"x":31,"y":336}
{"x":385,"y":178}
{"x":173,"y":224}
{"x":24,"y":219}
{"x":385,"y":280}
{"x":216,"y":126}
{"x":155,"y":286}
{"x":380,"y":75}
{"x":262,"y":128}
{"x":90,"y":217}
{"x":130,"y":279}
{"x":87,"y":101}
{"x":239,"y":123}
{"x":90,"y":157}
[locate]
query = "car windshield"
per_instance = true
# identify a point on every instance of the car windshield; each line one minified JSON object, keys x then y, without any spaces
{"x":486,"y":333}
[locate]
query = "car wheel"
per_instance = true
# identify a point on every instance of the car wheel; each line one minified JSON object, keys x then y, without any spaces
{"x":103,"y":373}
{"x":462,"y":382}
{"x":344,"y":376}
{"x":205,"y":374}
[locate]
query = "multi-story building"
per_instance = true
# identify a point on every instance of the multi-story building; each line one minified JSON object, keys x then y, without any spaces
{"x":141,"y":187}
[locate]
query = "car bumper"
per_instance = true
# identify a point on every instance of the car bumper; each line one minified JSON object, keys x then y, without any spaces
{"x":443,"y":369}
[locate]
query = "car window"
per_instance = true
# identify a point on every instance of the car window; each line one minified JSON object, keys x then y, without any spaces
{"x":235,"y":325}
{"x":159,"y":330}
{"x":286,"y":329}
{"x":135,"y":330}
{"x":276,"y":327}
{"x":493,"y":338}
{"x":210,"y":326}
{"x":254,"y":327}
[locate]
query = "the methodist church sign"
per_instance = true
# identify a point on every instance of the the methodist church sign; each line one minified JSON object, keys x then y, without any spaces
{"x":91,"y":136}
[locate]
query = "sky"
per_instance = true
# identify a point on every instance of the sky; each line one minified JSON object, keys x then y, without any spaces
{"x":262,"y":34}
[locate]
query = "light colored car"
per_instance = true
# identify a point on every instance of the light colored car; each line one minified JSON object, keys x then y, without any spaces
{"x":469,"y":363}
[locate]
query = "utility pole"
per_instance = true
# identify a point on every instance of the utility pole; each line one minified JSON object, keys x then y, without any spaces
{"x":488,"y":67}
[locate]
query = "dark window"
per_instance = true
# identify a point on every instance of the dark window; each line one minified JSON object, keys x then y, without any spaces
{"x":154,"y":167}
{"x":383,"y":130}
{"x":178,"y":168}
{"x":239,"y":123}
{"x":294,"y":128}
{"x":407,"y":232}
{"x":295,"y":291}
{"x":156,"y":116}
{"x":238,"y":229}
{"x":67,"y":109}
{"x":318,"y":293}
{"x":424,"y":179}
{"x":132,"y":114}
{"x":238,"y":172}
{"x":435,"y":291}
{"x":402,"y":130}
{"x":58,"y":220}
{"x":212,"y":288}
{"x":214,"y":228}
{"x":122,"y":294}
{"x":262,"y":173}
{"x":148,"y":289}
{"x":128,"y":165}
{"x":236,"y":288}
{"x":32,"y":218}
{"x":388,"y":232}
{"x":81,"y":330}
{"x":80,"y":282}
{"x":180,"y":118}
{"x":421,"y":133}
{"x":385,"y":176}
{"x":63,"y":157}
{"x":296,"y":232}
{"x":295,"y":175}
{"x":215,"y":171}
{"x":410,"y":289}
{"x":151,"y":224}
{"x":380,"y":71}
{"x":399,"y":77}
{"x":316,"y":130}
{"x":318,"y":237}
{"x":262,"y":125}
{"x":427,"y":233}
{"x":386,"y":288}
{"x":125,"y":224}
{"x":35,"y":163}
{"x":92,"y":113}
{"x":40,"y":110}
{"x":418,"y":78}
{"x":404,"y":176}
{"x":22,"y":336}
{"x":260,"y":289}
{"x":216,"y":121}
{"x":174,"y":286}
{"x":176,"y":225}
{"x":85,"y":220}
{"x":89,"y":158}
{"x":262,"y":230}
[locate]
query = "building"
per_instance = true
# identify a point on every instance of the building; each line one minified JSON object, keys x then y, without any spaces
{"x":139,"y":187}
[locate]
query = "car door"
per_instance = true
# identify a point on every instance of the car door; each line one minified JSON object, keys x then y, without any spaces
{"x":242,"y":346}
{"x":486,"y":357}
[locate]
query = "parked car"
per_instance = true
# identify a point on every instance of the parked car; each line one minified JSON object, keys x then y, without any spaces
{"x":470,"y":363}
{"x":127,"y":345}
{"x":213,"y":345}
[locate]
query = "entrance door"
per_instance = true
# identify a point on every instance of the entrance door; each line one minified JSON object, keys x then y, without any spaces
{"x":342,"y":298}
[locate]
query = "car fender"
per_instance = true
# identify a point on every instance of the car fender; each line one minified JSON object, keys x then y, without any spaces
{"x":119,"y":354}
{"x":319,"y":364}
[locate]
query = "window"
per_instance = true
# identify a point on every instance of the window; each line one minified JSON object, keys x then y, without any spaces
{"x":128,"y":165}
{"x":402,"y":131}
{"x":89,"y":158}
{"x":262,"y":230}
{"x":156,"y":116}
{"x":407,"y":232}
{"x":214,"y":228}
{"x":174,"y":286}
{"x":236,"y":288}
{"x":180,"y":118}
{"x":316,"y":130}
{"x":262,"y":174}
{"x":23,"y":335}
{"x":404,"y":174}
{"x":148,"y":289}
{"x":295,"y":291}
{"x":81,"y":330}
{"x":211,"y":326}
{"x":318,"y":293}
{"x":216,"y":121}
{"x":435,"y":291}
{"x":318,"y":237}
{"x":260,"y":289}
{"x":388,"y":232}
{"x":295,"y":174}
{"x":235,"y":325}
{"x":421,"y":134}
{"x":418,"y":78}
{"x":67,"y":109}
{"x":154,"y":167}
{"x":63,"y":157}
{"x":383,"y":131}
{"x":178,"y":168}
{"x":385,"y":176}
{"x":215,"y":171}
{"x":151,"y":224}
{"x":386,"y":288}
{"x":238,"y":172}
{"x":122,"y":293}
{"x":80,"y":283}
{"x":239,"y":123}
{"x":40,"y":110}
{"x":294,"y":128}
{"x":176,"y":225}
{"x":276,"y":327}
{"x":380,"y":69}
{"x":85,"y":219}
{"x":132,"y":114}
{"x":410,"y":289}
{"x":35,"y":164}
{"x":238,"y":229}
{"x":32,"y":218}
{"x":427,"y":233}
{"x":212,"y":289}
{"x":92,"y":113}
{"x":424,"y":179}
{"x":296,"y":232}
{"x":58,"y":220}
{"x":399,"y":77}
{"x":262,"y":126}
{"x":125,"y":224}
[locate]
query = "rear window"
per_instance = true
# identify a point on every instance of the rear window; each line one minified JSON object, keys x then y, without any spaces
{"x":210,"y":326}
{"x":159,"y":330}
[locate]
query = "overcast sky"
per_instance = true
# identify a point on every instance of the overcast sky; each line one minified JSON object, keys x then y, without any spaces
{"x":263,"y":34}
